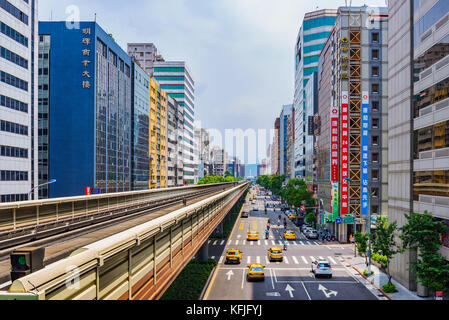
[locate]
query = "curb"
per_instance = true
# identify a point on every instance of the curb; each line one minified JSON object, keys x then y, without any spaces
{"x":371,"y":282}
{"x":203,"y":292}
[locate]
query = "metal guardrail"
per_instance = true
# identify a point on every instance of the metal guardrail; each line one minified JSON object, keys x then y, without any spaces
{"x":23,"y":214}
{"x":121,"y":266}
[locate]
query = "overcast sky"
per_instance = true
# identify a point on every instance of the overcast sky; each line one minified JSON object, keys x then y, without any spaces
{"x":240,"y":52}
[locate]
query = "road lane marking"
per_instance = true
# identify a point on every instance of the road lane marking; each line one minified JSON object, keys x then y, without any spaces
{"x":243,"y":277}
{"x":306,"y":290}
{"x":313,"y":259}
{"x":222,"y":242}
{"x":229,"y":242}
{"x":221,"y":259}
{"x":267,"y":260}
{"x":304,"y":259}
{"x":286,"y":260}
{"x":208,"y":241}
{"x":242,"y":225}
{"x":215,"y":242}
{"x":280,"y":242}
{"x":258,"y":259}
{"x":302,"y":243}
{"x":258,"y":242}
{"x":239,"y":236}
{"x":317,"y":243}
{"x":272,"y":281}
{"x":244,"y":241}
{"x":211,"y":283}
{"x":321,"y":258}
{"x":236,"y":242}
{"x":332,"y":260}
{"x":274,"y":243}
{"x":248,"y":260}
{"x":252,"y":243}
{"x":266,"y":242}
{"x":295,"y":260}
{"x":294,"y":242}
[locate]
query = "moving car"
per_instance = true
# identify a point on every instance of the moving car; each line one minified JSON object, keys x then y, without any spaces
{"x":233,"y":256}
{"x":255,"y":208}
{"x":292,"y":216}
{"x":256,"y":272}
{"x":290,"y":235}
{"x":253,"y":202}
{"x":245,"y":214}
{"x":275,"y":253}
{"x":253,"y":236}
{"x":322,"y":268}
{"x":312,"y":234}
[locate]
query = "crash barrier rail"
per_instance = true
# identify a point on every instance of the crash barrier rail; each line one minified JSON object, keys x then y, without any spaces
{"x":138,"y":263}
{"x":20,"y":217}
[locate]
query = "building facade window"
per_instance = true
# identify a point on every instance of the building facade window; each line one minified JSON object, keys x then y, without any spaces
{"x":11,"y":9}
{"x":13,"y":34}
{"x":12,"y":127}
{"x":13,"y":57}
{"x":432,"y":183}
{"x":14,"y":81}
{"x":13,"y":104}
{"x":13,"y":197}
{"x":431,"y":138}
{"x":14,"y":152}
{"x":6,"y":175}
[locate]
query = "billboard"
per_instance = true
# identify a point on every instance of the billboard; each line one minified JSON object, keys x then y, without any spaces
{"x":334,"y":200}
{"x":365,"y":152}
{"x":344,"y":153}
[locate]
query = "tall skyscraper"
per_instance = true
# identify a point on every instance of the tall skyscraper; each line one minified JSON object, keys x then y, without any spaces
{"x":285,"y":134}
{"x":18,"y":100}
{"x":312,"y":35}
{"x":176,"y":79}
{"x":89,"y":109}
{"x":418,"y":119}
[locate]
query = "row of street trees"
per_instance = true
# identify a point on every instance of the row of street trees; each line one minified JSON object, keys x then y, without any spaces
{"x":422,"y":234}
{"x":295,"y":193}
{"x":218,"y":179}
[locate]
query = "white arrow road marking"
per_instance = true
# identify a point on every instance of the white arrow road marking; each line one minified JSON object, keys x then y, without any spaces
{"x":286,"y":260}
{"x":229,"y":274}
{"x":239,"y":236}
{"x":221,"y":259}
{"x":248,"y":260}
{"x":290,"y":290}
{"x":215,"y":242}
{"x":295,"y":260}
{"x":327,"y":294}
{"x":258,"y":259}
{"x":332,"y":260}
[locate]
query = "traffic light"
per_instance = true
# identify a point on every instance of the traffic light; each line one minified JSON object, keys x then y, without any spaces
{"x":25,"y":261}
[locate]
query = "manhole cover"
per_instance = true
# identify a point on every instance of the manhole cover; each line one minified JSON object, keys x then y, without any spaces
{"x":273,"y":294}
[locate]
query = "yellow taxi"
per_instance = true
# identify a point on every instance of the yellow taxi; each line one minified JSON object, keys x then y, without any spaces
{"x":256,"y":272}
{"x":292,"y":216}
{"x":289,"y":235}
{"x":233,"y":256}
{"x":253,"y":235}
{"x":275,"y":253}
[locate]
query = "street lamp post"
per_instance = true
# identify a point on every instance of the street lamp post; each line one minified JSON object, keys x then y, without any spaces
{"x":43,"y":184}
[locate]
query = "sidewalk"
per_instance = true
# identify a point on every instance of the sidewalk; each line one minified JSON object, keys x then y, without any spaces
{"x":379,"y":278}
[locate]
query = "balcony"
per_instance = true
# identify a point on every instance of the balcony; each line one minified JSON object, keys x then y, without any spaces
{"x":432,"y":160}
{"x":434,"y":113}
{"x":438,"y":206}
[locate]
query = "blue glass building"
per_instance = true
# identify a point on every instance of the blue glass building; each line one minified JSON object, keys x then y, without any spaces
{"x":89,"y":110}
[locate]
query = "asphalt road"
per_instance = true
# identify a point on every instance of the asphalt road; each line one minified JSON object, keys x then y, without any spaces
{"x":290,"y":279}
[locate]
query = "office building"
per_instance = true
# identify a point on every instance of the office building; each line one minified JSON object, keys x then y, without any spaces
{"x":219,"y":160}
{"x":275,"y":149}
{"x":285,"y":117}
{"x":203,"y":152}
{"x":18,"y":100}
{"x":145,"y":54}
{"x":89,"y":110}
{"x":418,"y":119}
{"x":175,"y":145}
{"x":312,"y":35}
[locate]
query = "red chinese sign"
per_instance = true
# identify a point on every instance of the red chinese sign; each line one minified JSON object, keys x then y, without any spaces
{"x":344,"y":153}
{"x":334,"y":144}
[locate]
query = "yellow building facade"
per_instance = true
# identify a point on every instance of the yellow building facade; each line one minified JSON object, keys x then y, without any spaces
{"x":158,"y":136}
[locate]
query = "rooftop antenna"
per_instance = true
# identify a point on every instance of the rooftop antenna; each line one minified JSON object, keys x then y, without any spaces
{"x":95,"y":17}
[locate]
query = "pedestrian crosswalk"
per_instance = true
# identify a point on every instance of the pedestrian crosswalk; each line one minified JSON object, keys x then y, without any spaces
{"x":263,"y":243}
{"x":287,"y":259}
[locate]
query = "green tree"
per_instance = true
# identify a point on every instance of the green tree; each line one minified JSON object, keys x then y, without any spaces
{"x":276,"y":184}
{"x":311,"y":219}
{"x":422,"y":232}
{"x":227,"y":174}
{"x":361,"y":241}
{"x":385,"y":243}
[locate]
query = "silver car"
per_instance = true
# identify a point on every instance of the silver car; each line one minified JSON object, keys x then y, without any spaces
{"x":312,"y":234}
{"x":322,"y":268}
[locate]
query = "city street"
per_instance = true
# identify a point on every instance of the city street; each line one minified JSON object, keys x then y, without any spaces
{"x":290,"y":279}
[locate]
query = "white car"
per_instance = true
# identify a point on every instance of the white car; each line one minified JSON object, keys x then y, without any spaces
{"x":256,"y":208}
{"x":254,"y":202}
{"x":322,"y":268}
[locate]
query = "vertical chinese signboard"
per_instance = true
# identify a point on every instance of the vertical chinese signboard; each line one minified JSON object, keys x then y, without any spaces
{"x":334,"y":144}
{"x":86,"y":41}
{"x":344,"y":153}
{"x":365,"y":152}
{"x":334,"y":200}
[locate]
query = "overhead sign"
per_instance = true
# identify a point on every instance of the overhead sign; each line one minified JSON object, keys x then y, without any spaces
{"x":338,"y":220}
{"x":334,"y":144}
{"x":365,"y":152}
{"x":344,"y":153}
{"x":348,"y":219}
